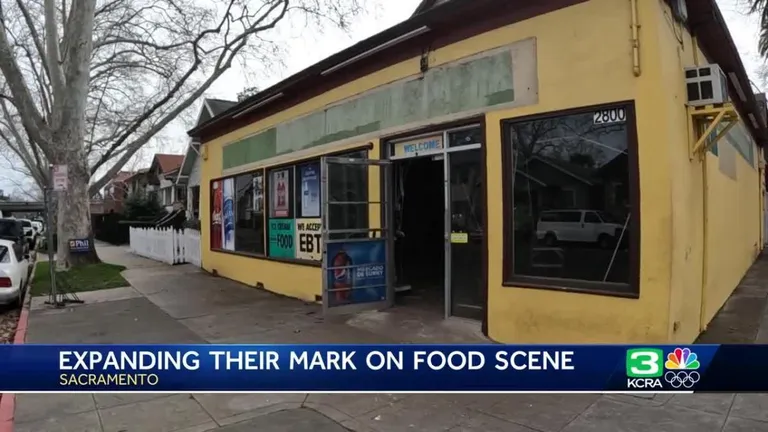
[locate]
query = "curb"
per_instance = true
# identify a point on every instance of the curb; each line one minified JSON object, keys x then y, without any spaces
{"x":8,"y":400}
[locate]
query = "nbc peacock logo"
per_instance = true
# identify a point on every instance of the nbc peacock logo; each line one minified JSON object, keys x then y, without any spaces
{"x":682,"y":368}
{"x":682,"y":359}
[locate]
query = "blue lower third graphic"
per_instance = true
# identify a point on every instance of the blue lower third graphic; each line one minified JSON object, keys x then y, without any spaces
{"x":380,"y":368}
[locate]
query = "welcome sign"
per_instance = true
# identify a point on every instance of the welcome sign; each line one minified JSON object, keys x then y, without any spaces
{"x":418,"y":146}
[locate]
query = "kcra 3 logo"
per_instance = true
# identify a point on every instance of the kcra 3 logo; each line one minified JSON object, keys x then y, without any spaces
{"x":650,"y":368}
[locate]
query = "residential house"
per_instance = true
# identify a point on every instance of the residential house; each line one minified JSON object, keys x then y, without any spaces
{"x":137,"y":182}
{"x":493,"y":107}
{"x":116,"y":191}
{"x":97,"y":204}
{"x":162,"y":179}
{"x":189,"y":174}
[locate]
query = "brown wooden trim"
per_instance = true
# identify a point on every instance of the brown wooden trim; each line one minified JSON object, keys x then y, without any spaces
{"x":572,"y":286}
{"x":631,"y":289}
{"x":316,"y":158}
{"x":454,"y":22}
{"x":484,"y":176}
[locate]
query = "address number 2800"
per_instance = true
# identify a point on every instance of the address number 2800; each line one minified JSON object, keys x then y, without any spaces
{"x":613,"y":115}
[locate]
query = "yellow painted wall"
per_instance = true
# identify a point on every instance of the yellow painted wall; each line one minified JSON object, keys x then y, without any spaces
{"x":584,"y":58}
{"x":733,"y":216}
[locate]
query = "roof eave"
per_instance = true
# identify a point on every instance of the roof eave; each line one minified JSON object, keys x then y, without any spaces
{"x":315,"y":70}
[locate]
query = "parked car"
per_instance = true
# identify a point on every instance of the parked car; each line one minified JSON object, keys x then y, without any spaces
{"x":29,"y":232}
{"x":38,"y":226}
{"x":582,"y":226}
{"x":12,"y":230}
{"x":14,"y":273}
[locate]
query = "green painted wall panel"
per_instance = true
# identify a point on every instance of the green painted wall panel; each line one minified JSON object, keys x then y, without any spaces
{"x":455,"y":88}
{"x":257,"y":147}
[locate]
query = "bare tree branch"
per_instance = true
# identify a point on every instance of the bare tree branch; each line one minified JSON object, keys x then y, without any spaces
{"x":91,"y":83}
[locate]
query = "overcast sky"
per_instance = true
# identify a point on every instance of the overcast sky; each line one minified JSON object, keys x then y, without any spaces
{"x":306,"y":50}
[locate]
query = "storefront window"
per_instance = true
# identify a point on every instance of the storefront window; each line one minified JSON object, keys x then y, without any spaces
{"x":280,"y":195}
{"x":295,"y":213}
{"x":568,"y":185}
{"x":223,"y":214}
{"x":282,"y":216}
{"x":249,"y":229}
{"x":349,"y":183}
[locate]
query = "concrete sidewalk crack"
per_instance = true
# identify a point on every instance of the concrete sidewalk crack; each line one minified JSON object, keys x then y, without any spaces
{"x":192,"y":396}
{"x":728,"y":413}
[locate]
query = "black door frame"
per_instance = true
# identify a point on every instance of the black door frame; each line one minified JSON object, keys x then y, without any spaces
{"x":384,"y":146}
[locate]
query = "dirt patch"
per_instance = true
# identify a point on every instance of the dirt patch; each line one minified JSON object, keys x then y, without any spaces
{"x":9,"y":319}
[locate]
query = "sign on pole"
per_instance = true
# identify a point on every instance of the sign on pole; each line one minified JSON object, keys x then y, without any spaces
{"x":60,"y":180}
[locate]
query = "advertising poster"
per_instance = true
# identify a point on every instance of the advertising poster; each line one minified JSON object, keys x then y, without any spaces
{"x":310,"y":190}
{"x":217,"y":207}
{"x":357,"y":272}
{"x":229,"y":214}
{"x":258,"y":194}
{"x":280,"y":194}
{"x":281,"y":238}
{"x":309,"y":239}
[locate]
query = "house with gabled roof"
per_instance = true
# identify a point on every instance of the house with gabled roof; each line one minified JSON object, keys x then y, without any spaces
{"x":188,"y":176}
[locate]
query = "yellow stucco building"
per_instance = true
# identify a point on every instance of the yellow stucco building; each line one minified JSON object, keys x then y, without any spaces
{"x":560,"y":170}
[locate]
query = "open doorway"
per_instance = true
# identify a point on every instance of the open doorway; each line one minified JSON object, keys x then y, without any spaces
{"x":420,"y":232}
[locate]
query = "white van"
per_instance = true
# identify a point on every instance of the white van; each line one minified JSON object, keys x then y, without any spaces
{"x":581,"y":226}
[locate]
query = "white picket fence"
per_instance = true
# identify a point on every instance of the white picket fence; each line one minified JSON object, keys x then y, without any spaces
{"x":166,"y":245}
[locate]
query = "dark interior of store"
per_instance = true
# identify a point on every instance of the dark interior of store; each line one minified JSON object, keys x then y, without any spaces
{"x":419,"y":232}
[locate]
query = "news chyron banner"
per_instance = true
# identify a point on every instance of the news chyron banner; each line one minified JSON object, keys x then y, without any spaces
{"x":382,"y":368}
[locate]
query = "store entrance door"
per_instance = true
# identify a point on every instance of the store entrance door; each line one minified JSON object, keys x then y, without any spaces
{"x":357,"y":261}
{"x":460,"y":209}
{"x":464,"y":248}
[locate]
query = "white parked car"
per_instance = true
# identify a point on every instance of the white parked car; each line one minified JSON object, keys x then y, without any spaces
{"x":582,"y":226}
{"x":29,"y":232}
{"x":14,"y":271}
{"x":38,"y":226}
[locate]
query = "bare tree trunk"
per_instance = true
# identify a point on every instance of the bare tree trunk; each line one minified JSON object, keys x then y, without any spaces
{"x":74,"y":211}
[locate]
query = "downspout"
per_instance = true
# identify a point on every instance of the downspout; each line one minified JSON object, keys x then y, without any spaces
{"x":704,"y":237}
{"x":705,"y":210}
{"x":635,"y":39}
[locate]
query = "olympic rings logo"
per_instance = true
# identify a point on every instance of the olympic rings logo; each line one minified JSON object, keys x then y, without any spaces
{"x":682,"y":378}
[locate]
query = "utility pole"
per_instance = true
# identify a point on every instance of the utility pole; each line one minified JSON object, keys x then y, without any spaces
{"x":48,"y":198}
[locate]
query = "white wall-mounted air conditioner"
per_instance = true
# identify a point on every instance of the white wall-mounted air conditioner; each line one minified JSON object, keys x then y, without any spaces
{"x":707,"y":85}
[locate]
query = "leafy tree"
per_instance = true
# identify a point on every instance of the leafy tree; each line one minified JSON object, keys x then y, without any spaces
{"x":139,"y":205}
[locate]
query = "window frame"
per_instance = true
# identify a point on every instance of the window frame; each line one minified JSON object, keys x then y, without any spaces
{"x":234,"y":177}
{"x":631,"y":289}
{"x":266,"y":171}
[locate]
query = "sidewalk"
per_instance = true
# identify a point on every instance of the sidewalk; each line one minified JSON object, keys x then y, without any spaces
{"x":184,"y":305}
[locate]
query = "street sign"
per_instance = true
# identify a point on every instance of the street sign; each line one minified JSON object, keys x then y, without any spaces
{"x":60,"y":181}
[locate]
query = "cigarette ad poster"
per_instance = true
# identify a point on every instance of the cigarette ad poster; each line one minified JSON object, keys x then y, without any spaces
{"x":281,"y":204}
